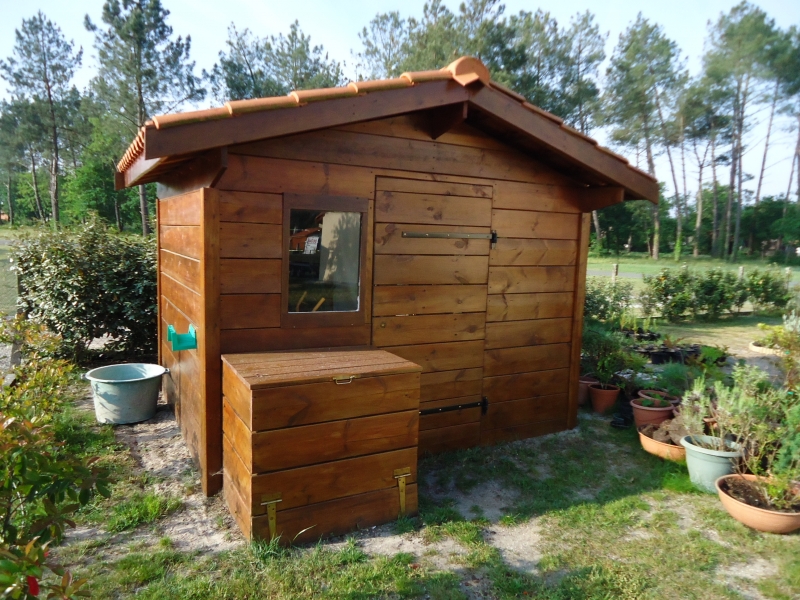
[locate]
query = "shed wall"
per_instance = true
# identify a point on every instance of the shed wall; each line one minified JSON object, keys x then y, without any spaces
{"x":487,"y":322}
{"x":496,"y":323}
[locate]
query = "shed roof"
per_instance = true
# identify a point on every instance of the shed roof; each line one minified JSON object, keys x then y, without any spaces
{"x":462,"y":90}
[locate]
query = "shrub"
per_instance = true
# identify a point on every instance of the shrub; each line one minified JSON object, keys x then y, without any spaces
{"x":606,"y":301}
{"x":767,"y":289}
{"x":717,"y":291}
{"x":88,"y":283}
{"x":668,"y":293}
{"x":678,"y":293}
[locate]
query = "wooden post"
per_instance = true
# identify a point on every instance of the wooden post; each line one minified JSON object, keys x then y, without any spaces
{"x":741,"y":272}
{"x":614,"y":273}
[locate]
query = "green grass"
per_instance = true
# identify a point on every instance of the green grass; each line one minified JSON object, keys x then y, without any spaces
{"x":613,"y":522}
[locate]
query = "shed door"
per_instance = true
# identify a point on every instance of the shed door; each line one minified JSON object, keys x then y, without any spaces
{"x":430,"y":278}
{"x":532,"y":278}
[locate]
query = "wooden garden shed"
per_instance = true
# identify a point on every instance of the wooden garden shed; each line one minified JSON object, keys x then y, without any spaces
{"x":437,"y":216}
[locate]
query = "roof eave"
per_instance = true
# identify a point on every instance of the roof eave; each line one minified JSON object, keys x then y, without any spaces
{"x":576,"y":149}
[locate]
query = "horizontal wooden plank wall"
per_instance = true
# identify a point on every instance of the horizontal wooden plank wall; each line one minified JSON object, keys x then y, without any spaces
{"x":251,"y":250}
{"x":429,"y":297}
{"x":412,"y":181}
{"x":530,"y":310}
{"x":188,"y":294}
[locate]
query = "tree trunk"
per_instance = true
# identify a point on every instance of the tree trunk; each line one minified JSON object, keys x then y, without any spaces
{"x":751,"y":243}
{"x":37,"y":197}
{"x":678,"y":211}
{"x":738,"y":228}
{"x":117,"y":216}
{"x":797,"y":155}
{"x":54,"y":209}
{"x":766,"y":143}
{"x":10,"y":199}
{"x":699,"y":220}
{"x":791,"y":178}
{"x":597,"y":232}
{"x":732,"y":181}
{"x":651,"y":166}
{"x":715,"y":205}
{"x":143,"y":209}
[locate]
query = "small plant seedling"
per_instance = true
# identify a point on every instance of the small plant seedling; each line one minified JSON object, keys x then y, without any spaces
{"x":655,"y":402}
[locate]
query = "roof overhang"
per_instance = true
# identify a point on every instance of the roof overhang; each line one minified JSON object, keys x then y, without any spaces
{"x":167,"y":142}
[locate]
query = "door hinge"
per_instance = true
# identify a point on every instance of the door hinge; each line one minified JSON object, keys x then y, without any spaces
{"x":400,"y":475}
{"x":270,"y":500}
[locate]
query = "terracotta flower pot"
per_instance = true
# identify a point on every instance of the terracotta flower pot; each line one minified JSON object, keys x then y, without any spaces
{"x":642,"y":415}
{"x":660,"y":449}
{"x":761,"y":519}
{"x":603,"y":398}
{"x":655,"y":394}
{"x":583,"y":388}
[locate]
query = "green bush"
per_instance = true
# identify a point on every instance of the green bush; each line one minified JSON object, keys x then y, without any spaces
{"x":90,"y":282}
{"x":767,"y":289}
{"x":606,"y":301}
{"x":669,"y":293}
{"x":43,"y":481}
{"x":716,"y":292}
{"x":679,"y":293}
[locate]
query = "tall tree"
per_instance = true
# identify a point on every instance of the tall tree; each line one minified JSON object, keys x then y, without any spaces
{"x":642,"y":69}
{"x":143,"y":69}
{"x":737,"y":56}
{"x":41,"y":69}
{"x":255,"y":68}
{"x":12,"y":152}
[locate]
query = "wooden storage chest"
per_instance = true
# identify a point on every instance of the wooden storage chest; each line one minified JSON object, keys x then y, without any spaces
{"x":319,"y":443}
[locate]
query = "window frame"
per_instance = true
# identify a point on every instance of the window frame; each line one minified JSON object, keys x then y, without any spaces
{"x":306,"y":320}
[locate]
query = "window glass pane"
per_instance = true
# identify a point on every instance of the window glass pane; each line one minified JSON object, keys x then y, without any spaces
{"x":324,"y":260}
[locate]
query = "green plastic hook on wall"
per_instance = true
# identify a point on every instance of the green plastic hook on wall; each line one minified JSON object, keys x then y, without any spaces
{"x":182,"y":341}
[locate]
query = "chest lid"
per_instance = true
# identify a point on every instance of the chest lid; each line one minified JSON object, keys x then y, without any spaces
{"x":259,"y":370}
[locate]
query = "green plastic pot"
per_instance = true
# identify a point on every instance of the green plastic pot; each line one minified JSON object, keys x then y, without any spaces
{"x":706,"y":466}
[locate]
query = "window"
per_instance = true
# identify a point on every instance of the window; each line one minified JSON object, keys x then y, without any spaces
{"x":324,"y":253}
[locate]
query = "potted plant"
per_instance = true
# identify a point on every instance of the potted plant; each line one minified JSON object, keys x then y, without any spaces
{"x":652,"y":409}
{"x":709,"y":457}
{"x":764,"y":493}
{"x":584,"y":381}
{"x":613,"y":360}
{"x":672,"y":350}
{"x":664,"y":440}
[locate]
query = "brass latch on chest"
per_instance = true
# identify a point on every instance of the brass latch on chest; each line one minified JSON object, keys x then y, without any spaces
{"x":270,"y":501}
{"x":400,"y":475}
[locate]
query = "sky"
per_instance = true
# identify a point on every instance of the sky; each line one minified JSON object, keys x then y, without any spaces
{"x":336,"y":24}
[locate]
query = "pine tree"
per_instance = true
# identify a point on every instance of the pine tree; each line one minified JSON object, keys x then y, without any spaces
{"x":143,"y":70}
{"x":41,"y":70}
{"x":642,"y":72}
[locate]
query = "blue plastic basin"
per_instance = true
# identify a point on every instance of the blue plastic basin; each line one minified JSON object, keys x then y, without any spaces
{"x":126,"y":393}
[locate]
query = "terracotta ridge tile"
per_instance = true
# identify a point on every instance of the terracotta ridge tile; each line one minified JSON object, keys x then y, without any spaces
{"x":302,"y":96}
{"x":241,"y":107}
{"x":467,"y":70}
{"x":379,"y":85}
{"x":195,"y":116}
{"x":420,"y":76}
